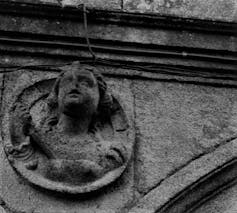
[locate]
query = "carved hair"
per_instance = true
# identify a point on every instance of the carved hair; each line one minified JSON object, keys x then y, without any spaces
{"x":105,"y":102}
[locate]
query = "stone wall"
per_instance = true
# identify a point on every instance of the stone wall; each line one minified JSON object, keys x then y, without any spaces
{"x":223,"y":10}
{"x":174,"y":78}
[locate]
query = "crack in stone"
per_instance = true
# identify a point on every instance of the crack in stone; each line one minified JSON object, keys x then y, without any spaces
{"x":122,"y":4}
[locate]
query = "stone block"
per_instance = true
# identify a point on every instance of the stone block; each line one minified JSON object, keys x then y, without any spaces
{"x":176,"y":123}
{"x":224,"y":10}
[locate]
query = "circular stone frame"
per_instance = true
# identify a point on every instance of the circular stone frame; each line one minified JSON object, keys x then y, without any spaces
{"x":31,"y":95}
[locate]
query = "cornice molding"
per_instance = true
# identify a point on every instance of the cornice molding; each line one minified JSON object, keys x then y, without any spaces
{"x":182,"y":61}
{"x":32,"y":30}
{"x":30,"y":40}
{"x":117,"y":17}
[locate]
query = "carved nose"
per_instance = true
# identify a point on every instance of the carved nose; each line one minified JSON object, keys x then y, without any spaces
{"x":76,"y":84}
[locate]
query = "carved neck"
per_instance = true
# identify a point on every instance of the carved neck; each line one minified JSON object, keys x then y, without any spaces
{"x":74,"y":126}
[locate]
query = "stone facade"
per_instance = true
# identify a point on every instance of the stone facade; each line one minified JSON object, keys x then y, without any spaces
{"x":149,"y":126}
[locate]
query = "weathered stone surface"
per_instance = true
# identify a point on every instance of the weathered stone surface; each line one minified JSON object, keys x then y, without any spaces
{"x":1,"y":89}
{"x":172,"y":186}
{"x":111,"y":5}
{"x":225,"y":202}
{"x":225,"y":10}
{"x":141,"y":35}
{"x":176,"y":123}
{"x":75,"y":126}
{"x":2,"y":210}
{"x":102,"y":4}
{"x":19,"y":195}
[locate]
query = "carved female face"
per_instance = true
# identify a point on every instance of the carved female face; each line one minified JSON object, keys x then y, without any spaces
{"x":78,"y":93}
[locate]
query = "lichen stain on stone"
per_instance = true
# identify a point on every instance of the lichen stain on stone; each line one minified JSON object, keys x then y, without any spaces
{"x":144,"y":5}
{"x":154,"y":5}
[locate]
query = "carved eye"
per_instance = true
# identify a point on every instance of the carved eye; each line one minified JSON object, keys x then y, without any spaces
{"x":84,"y":83}
{"x":67,"y":80}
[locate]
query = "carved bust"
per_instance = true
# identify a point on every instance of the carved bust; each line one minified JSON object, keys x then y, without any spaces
{"x":77,"y":147}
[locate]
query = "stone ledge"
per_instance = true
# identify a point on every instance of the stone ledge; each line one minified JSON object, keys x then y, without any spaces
{"x":99,"y":4}
{"x":215,"y":10}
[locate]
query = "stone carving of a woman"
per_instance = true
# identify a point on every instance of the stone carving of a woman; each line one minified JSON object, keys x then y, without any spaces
{"x":76,"y":148}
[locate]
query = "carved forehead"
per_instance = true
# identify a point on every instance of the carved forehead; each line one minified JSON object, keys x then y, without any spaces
{"x":77,"y":69}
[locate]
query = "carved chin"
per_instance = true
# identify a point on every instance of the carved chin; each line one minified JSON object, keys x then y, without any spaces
{"x":78,"y":107}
